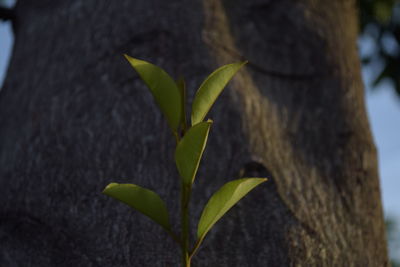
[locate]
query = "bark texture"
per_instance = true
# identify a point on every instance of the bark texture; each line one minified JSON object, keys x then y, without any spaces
{"x":75,"y":117}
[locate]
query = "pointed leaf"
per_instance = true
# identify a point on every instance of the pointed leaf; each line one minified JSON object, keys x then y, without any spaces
{"x":163,"y":89}
{"x":210,"y":89}
{"x":226,"y":197}
{"x":190,"y":149}
{"x":142,"y":200}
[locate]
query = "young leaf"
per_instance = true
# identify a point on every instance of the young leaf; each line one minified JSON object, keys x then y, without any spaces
{"x":163,"y":88}
{"x":190,"y":149}
{"x":224,"y":199}
{"x":142,"y":200}
{"x":210,"y":89}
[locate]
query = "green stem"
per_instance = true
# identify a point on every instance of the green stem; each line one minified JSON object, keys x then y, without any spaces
{"x":176,"y":137}
{"x":195,"y":248}
{"x":182,"y":86}
{"x":185,"y":197}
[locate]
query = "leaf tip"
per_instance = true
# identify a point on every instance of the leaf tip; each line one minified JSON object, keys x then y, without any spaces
{"x":135,"y":62}
{"x":260,"y":179}
{"x":109,"y":186}
{"x":127,"y":57}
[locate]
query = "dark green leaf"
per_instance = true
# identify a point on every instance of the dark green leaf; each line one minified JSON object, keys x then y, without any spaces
{"x":190,"y":149}
{"x":142,"y":200}
{"x":163,"y":89}
{"x":210,"y":89}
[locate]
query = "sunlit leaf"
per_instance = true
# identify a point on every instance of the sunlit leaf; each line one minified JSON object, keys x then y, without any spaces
{"x":224,"y":199}
{"x":190,"y":149}
{"x":141,"y":199}
{"x":210,"y":89}
{"x":163,"y":89}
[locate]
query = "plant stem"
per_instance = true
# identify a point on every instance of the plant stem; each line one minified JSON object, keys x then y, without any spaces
{"x":185,"y":197}
{"x":176,"y":137}
{"x":196,"y":247}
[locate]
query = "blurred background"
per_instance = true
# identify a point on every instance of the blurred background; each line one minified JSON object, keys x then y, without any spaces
{"x":379,"y":46}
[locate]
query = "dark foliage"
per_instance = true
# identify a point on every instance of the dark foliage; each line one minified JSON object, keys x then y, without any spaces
{"x":380,"y":22}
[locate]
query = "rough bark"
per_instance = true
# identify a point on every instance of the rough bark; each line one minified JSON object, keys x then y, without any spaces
{"x":75,"y":117}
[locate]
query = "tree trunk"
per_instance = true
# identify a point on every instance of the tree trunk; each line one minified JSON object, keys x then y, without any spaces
{"x":74,"y":117}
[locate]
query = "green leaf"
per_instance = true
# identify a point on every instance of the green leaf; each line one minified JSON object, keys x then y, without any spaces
{"x":210,"y":89}
{"x":163,"y":88}
{"x":224,"y":199}
{"x":142,"y":200}
{"x":190,"y":149}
